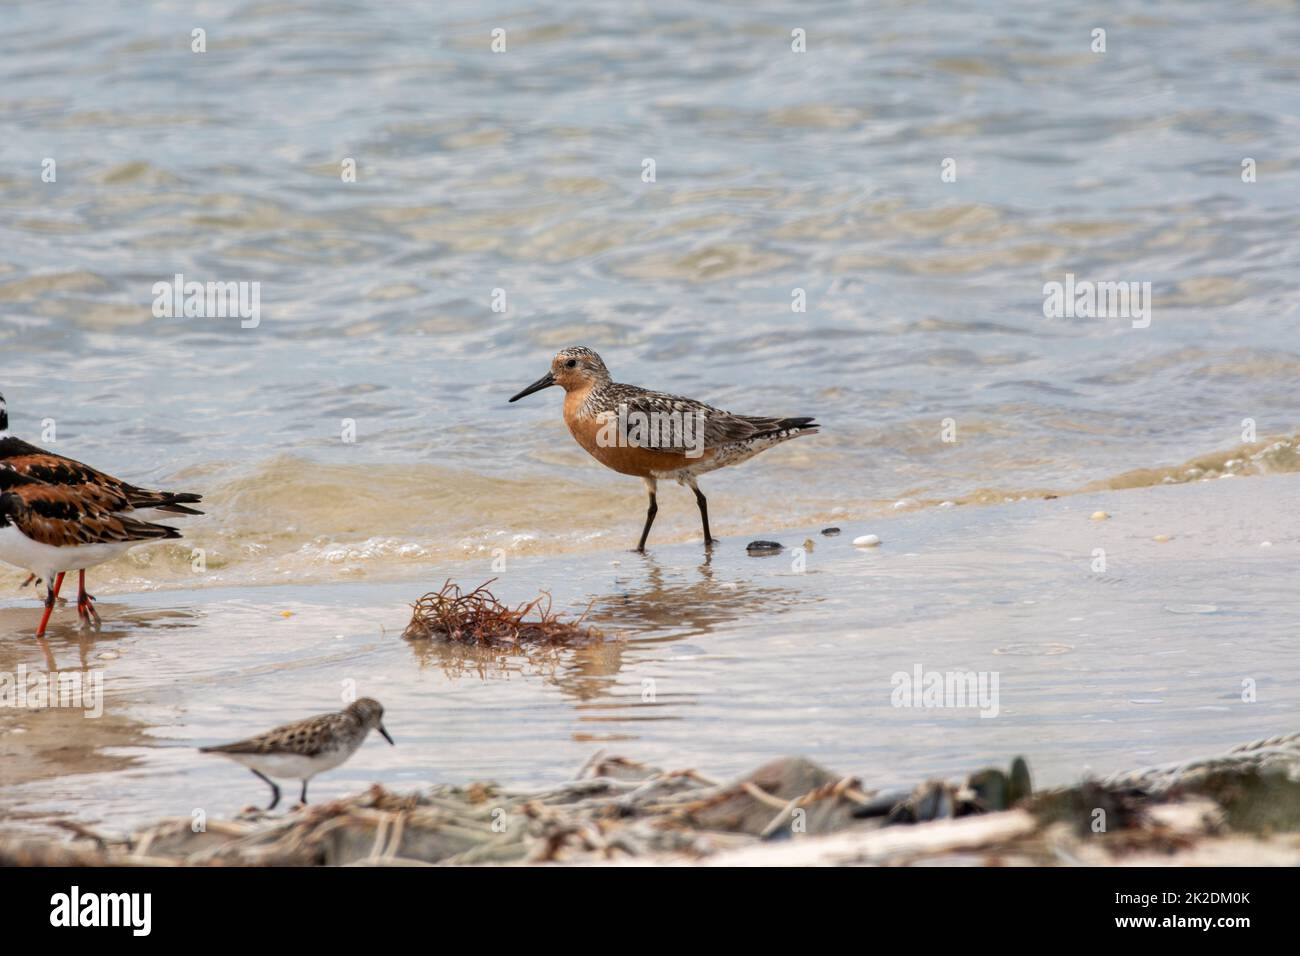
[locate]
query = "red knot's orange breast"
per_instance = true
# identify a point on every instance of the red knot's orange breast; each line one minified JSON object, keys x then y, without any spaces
{"x":586,"y":429}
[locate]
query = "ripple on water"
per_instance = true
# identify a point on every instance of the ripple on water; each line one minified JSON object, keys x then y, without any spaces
{"x":1028,"y":649}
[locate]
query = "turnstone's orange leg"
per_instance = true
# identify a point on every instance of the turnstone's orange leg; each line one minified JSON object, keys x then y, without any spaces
{"x":49,"y":603}
{"x":31,"y":579}
{"x":85,"y":603}
{"x":653,"y":510}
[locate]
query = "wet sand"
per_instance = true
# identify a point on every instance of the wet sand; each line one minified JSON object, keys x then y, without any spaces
{"x":720,"y":662}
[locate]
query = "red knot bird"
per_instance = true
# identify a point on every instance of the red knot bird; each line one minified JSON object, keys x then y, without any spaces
{"x":66,"y":516}
{"x":300,"y":750}
{"x":652,"y":435}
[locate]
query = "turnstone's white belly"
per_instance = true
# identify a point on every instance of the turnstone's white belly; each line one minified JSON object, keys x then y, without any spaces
{"x":47,"y":560}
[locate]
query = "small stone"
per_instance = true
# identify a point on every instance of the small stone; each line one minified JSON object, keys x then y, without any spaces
{"x":830,"y":532}
{"x":763,"y":547}
{"x":867,"y":541}
{"x":1266,"y":544}
{"x":808,"y":545}
{"x":947,"y":504}
{"x":1162,"y":538}
{"x":1099,"y":516}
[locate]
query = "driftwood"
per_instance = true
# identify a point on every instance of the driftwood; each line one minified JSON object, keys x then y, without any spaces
{"x":1242,"y":807}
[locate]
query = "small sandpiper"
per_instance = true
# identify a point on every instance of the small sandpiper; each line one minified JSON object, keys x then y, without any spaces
{"x":652,"y":435}
{"x":300,"y":750}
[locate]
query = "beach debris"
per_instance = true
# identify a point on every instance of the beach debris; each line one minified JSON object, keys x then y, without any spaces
{"x":784,"y":797}
{"x":763,"y":548}
{"x":1099,"y":516}
{"x":867,"y":541}
{"x":478,"y":618}
{"x":986,"y":791}
{"x":830,"y":532}
{"x":1162,"y":538}
{"x":1239,"y":807}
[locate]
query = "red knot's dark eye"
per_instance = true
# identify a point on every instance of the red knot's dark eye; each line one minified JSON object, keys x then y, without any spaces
{"x":571,"y":363}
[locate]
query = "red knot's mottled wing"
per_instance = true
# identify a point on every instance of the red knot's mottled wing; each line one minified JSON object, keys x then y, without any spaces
{"x":674,"y":423}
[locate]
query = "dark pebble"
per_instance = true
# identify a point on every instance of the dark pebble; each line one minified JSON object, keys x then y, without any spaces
{"x":830,"y":532}
{"x":763,"y":547}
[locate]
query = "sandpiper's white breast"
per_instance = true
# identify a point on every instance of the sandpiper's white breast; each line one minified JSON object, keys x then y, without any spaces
{"x":287,"y":766}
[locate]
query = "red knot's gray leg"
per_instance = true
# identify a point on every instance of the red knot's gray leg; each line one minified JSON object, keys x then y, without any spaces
{"x":650,"y":486}
{"x":704,"y":510}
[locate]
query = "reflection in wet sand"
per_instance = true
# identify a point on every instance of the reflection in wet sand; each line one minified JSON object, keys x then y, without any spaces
{"x":18,"y":624}
{"x":583,"y":673}
{"x":678,"y":602}
{"x":82,"y":732}
{"x":661,"y":604}
{"x":70,"y":733}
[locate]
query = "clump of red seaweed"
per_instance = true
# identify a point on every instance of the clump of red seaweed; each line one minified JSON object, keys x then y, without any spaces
{"x":479,"y":618}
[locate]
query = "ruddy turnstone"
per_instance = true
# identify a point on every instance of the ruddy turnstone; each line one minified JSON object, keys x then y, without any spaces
{"x":653,"y":435}
{"x":300,"y":750}
{"x":52,"y":529}
{"x":93,"y":487}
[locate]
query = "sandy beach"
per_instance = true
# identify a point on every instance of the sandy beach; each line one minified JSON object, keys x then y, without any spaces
{"x":719,"y":664}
